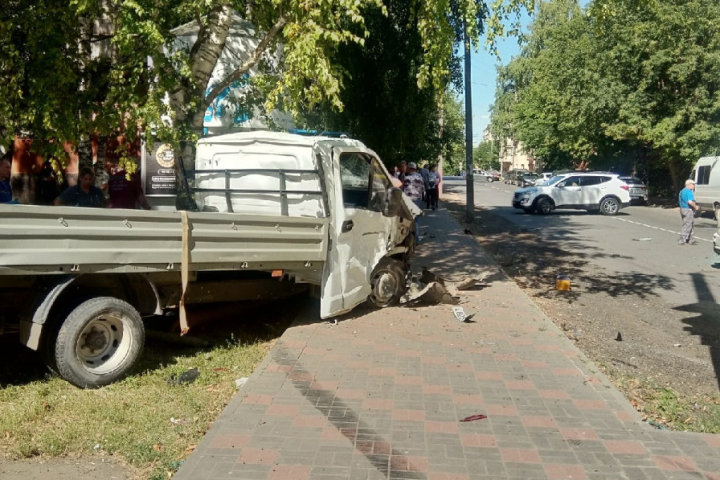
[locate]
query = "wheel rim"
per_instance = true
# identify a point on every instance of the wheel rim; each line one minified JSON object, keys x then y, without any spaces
{"x":384,"y":287}
{"x":544,"y":206}
{"x":104,"y":343}
{"x":610,"y":206}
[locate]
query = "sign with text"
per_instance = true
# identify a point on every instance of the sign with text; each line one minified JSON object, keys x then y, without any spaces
{"x":158,"y":171}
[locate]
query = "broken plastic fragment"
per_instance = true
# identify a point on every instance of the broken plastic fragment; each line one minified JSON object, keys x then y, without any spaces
{"x":185,"y":378}
{"x":459,"y":313}
{"x":472,"y":418}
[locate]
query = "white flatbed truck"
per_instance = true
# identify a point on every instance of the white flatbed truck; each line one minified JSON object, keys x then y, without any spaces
{"x":277,"y":212}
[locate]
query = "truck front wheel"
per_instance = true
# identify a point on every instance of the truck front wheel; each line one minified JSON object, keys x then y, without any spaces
{"x":98,"y":342}
{"x":388,"y":283}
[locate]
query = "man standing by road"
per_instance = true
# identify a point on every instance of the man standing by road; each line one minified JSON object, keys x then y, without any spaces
{"x":688,"y":207}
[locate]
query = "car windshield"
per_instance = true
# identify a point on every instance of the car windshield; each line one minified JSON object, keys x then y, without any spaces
{"x":554,"y":180}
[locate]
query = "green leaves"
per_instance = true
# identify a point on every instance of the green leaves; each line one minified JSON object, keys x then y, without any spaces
{"x":639,"y":76}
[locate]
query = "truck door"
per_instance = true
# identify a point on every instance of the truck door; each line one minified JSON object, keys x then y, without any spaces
{"x":360,"y":233}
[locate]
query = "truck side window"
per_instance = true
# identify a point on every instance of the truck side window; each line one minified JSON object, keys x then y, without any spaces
{"x":355,"y":177}
{"x":380,"y":186}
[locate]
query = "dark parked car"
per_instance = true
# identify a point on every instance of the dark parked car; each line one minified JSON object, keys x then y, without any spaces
{"x":527,"y":180}
{"x":638,"y":190}
{"x":514,"y":177}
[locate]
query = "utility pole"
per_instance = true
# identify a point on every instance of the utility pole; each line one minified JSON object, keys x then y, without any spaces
{"x":469,"y":183}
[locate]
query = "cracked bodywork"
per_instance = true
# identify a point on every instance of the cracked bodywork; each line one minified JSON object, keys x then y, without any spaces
{"x":361,"y":236}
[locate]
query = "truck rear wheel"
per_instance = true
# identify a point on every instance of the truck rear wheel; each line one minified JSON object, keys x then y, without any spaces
{"x":98,"y":342}
{"x":388,"y":283}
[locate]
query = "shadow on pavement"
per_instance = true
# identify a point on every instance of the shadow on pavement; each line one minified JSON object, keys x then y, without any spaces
{"x":705,"y":322}
{"x":536,"y":261}
{"x":214,"y":325}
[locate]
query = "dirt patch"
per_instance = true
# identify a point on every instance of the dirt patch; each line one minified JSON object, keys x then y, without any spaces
{"x":52,"y":469}
{"x":617,"y":320}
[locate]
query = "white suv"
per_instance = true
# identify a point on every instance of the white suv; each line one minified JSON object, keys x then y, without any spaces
{"x":592,"y":191}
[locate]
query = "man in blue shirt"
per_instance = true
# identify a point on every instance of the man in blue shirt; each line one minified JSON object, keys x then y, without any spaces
{"x":688,"y":207}
{"x":5,"y":188}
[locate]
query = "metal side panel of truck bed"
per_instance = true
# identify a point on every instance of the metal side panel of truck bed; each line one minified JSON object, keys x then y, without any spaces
{"x":42,"y":240}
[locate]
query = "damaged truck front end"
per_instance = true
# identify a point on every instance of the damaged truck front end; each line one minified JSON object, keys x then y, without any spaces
{"x":371,"y":231}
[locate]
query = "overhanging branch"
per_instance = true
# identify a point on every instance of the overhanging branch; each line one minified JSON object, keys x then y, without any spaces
{"x":251,"y":62}
{"x":201,"y":34}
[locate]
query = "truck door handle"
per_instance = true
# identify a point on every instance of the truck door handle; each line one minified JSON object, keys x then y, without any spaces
{"x":347,"y":225}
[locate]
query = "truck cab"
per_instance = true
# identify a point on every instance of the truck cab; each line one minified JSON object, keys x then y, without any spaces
{"x":315,"y":177}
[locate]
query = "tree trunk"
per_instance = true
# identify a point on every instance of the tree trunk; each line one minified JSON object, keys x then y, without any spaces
{"x":676,"y":174}
{"x":209,"y":46}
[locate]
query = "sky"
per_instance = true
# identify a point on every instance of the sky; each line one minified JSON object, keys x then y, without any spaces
{"x":483,"y":75}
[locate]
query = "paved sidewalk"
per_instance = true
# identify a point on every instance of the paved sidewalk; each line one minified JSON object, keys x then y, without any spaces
{"x":381,"y":396}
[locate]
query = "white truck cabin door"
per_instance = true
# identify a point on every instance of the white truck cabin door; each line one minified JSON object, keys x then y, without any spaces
{"x":360,"y":232}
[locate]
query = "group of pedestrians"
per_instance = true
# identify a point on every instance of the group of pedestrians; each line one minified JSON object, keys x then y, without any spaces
{"x":118,"y":190}
{"x":420,"y":185}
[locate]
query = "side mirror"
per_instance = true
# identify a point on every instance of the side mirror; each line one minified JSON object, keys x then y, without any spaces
{"x":395,"y":204}
{"x":560,"y":185}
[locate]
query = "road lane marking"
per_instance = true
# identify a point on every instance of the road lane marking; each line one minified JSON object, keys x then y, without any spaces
{"x":630,"y":221}
{"x":656,"y":228}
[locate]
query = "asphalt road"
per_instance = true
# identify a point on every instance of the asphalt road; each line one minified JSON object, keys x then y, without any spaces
{"x":639,"y":240}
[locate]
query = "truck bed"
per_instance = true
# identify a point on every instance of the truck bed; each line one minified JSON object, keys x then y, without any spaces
{"x":41,"y":240}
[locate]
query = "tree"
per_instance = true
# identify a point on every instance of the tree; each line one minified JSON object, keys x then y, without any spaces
{"x":628,"y":85}
{"x":485,"y":156}
{"x":126,"y":85}
{"x":453,"y":134}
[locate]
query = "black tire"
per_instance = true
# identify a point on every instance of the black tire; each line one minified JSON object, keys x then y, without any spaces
{"x":117,"y":333}
{"x":388,"y":283}
{"x":544,"y":206}
{"x":609,"y":206}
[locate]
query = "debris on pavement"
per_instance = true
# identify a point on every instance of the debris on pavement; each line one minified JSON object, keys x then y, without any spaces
{"x":644,"y":239}
{"x":427,"y":277}
{"x":677,"y":345}
{"x":471,"y":283}
{"x":432,"y":293}
{"x":563,"y":283}
{"x":619,"y":337}
{"x":459,"y":313}
{"x":432,"y":289}
{"x":185,"y":378}
{"x":178,"y":421}
{"x":472,"y":418}
{"x":240,"y":382}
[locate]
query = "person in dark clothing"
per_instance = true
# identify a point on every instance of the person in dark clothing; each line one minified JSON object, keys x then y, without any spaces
{"x":431,"y":185}
{"x":47,"y":185}
{"x":84,"y":194}
{"x":6,"y":194}
{"x":126,"y":190}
